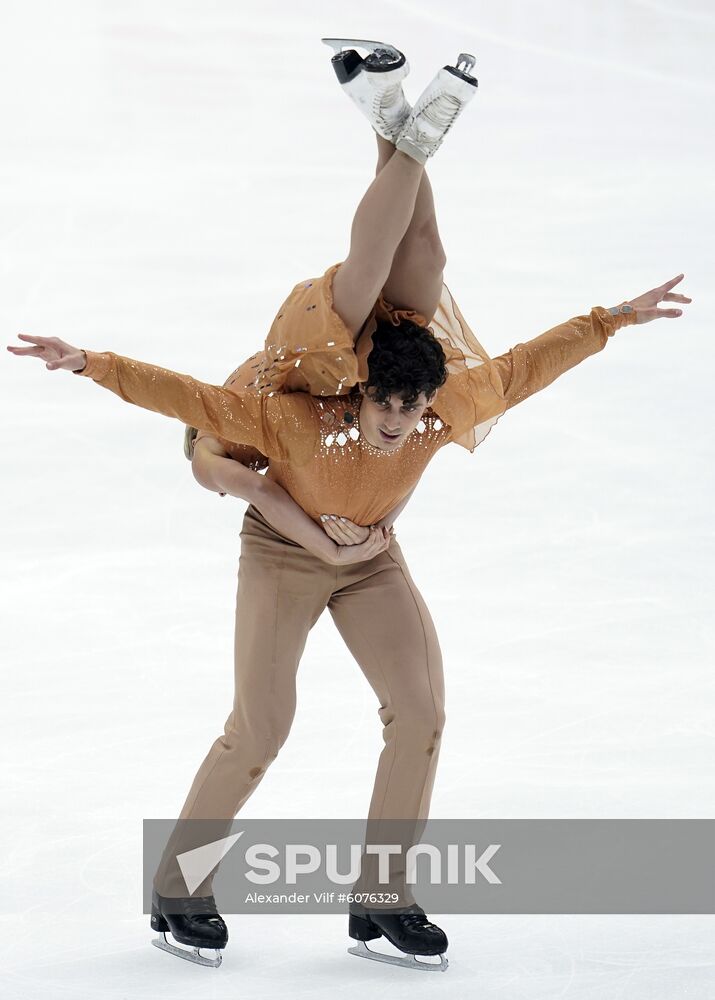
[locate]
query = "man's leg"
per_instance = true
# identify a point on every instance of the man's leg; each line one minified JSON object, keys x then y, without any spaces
{"x":415,"y":280}
{"x":381,"y":220}
{"x":386,"y":625}
{"x":282,"y":591}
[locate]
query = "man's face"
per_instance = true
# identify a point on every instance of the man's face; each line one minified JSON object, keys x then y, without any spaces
{"x":394,"y":416}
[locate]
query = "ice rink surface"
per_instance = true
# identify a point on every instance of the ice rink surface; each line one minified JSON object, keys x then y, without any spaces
{"x":168,"y":172}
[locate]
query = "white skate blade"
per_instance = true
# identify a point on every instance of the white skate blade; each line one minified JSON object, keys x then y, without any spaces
{"x":406,"y":961}
{"x":194,"y":955}
{"x":338,"y":44}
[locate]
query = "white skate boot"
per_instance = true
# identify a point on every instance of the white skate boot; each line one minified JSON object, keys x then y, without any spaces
{"x":374,"y":83}
{"x":437,"y":109}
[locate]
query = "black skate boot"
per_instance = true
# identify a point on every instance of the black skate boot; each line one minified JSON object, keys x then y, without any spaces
{"x":407,"y":928}
{"x":193,"y":921}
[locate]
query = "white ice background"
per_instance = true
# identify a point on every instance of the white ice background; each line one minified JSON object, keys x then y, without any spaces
{"x":168,"y":171}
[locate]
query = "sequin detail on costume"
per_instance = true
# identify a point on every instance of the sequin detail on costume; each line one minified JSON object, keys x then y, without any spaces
{"x":347,"y":438}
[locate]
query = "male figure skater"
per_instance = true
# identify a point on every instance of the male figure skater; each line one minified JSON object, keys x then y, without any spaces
{"x":357,"y":449}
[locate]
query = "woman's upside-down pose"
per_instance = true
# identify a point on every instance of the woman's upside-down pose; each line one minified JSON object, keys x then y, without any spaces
{"x":366,"y":373}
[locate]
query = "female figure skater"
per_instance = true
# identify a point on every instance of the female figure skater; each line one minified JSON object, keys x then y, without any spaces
{"x":366,"y":373}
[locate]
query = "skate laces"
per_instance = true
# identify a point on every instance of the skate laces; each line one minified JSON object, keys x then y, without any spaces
{"x":202,"y":906}
{"x":411,"y":919}
{"x":388,"y":99}
{"x":390,"y":107}
{"x":442,"y":110}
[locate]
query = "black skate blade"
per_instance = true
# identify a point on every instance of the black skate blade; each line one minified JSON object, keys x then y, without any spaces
{"x":421,"y":963}
{"x":347,"y":65}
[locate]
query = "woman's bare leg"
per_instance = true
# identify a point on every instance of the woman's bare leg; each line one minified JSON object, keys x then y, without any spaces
{"x":415,"y":280}
{"x":381,"y":220}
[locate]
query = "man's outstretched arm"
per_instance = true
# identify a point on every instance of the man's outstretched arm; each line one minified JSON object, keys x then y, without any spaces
{"x":487,"y":390}
{"x":274,"y":424}
{"x":529,"y":367}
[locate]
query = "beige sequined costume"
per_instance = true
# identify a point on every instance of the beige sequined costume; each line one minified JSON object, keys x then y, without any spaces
{"x":318,"y":455}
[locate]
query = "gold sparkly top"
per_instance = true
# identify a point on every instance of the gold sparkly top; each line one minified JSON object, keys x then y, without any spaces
{"x":312,"y":439}
{"x":350,"y":475}
{"x":316,"y":449}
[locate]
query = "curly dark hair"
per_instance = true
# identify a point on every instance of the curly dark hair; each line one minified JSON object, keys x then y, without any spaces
{"x":406,"y":360}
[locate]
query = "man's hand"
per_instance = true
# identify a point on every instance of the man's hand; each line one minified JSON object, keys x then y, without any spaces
{"x":645,"y":305}
{"x":53,"y":351}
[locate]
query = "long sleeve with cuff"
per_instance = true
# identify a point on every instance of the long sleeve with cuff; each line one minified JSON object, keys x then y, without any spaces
{"x":280,"y":426}
{"x":472,"y":401}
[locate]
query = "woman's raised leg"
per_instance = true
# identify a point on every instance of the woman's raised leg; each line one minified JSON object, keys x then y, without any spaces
{"x":415,"y":279}
{"x":381,"y":221}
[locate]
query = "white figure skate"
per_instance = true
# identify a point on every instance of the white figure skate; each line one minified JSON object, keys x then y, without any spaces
{"x":437,"y":110}
{"x":373,"y":83}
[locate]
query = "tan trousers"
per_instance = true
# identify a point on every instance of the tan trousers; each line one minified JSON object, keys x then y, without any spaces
{"x":282,"y":591}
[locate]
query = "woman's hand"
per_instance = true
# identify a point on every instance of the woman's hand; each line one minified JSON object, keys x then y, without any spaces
{"x":356,"y":542}
{"x":378,"y":539}
{"x":344,"y":531}
{"x":645,"y":305}
{"x":53,"y":351}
